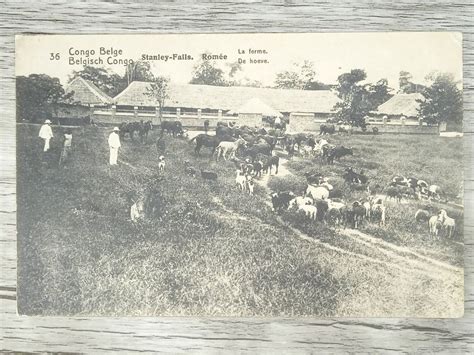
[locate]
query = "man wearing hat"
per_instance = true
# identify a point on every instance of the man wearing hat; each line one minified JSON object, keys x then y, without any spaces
{"x":114,"y":145}
{"x":46,"y":133}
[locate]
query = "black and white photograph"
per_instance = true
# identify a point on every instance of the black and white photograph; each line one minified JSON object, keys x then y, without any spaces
{"x":240,"y":175}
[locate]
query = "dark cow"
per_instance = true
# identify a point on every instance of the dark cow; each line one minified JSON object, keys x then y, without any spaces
{"x":393,"y":192}
{"x":336,"y":153}
{"x":327,"y":129}
{"x":224,"y":131}
{"x":259,"y":148}
{"x":143,"y":130}
{"x":269,"y":163}
{"x":130,"y":128}
{"x":399,"y":181}
{"x":281,"y":200}
{"x":322,"y":207}
{"x":354,"y":214}
{"x":206,"y":141}
{"x":313,"y":178}
{"x":174,"y":128}
{"x":257,"y":168}
{"x":352,"y":177}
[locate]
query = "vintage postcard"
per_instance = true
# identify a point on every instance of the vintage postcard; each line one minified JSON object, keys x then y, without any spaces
{"x":243,"y":175}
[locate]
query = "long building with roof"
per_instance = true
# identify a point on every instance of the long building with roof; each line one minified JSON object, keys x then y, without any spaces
{"x":189,"y":97}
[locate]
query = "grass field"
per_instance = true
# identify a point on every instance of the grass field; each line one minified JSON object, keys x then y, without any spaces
{"x":215,"y":251}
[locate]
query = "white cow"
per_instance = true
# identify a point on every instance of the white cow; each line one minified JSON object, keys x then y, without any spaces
{"x":309,"y":210}
{"x":300,"y":201}
{"x":317,"y":192}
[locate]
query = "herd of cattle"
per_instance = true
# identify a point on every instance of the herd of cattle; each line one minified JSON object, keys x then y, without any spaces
{"x":251,"y":150}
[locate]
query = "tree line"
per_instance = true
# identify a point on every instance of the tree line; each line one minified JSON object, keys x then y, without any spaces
{"x":39,"y":94}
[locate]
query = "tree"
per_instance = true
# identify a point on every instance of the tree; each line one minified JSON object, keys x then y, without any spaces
{"x":110,"y":83}
{"x":406,"y":86}
{"x":37,"y":96}
{"x":205,"y":72}
{"x":159,"y":90}
{"x":443,"y":100}
{"x":302,"y":77}
{"x":357,"y":99}
{"x":138,"y":71}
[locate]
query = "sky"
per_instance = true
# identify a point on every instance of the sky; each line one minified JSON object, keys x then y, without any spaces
{"x":381,"y":55}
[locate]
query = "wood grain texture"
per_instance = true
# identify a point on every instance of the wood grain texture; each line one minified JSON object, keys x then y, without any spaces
{"x":216,"y":335}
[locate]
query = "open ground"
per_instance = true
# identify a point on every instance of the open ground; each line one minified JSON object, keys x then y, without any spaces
{"x":216,"y":251}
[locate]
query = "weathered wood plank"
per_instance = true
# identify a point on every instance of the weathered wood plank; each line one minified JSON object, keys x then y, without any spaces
{"x":252,"y":335}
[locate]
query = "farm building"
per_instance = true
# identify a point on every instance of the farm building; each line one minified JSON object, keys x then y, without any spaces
{"x":399,"y":108}
{"x":193,"y":103}
{"x":86,"y":97}
{"x":254,"y":110}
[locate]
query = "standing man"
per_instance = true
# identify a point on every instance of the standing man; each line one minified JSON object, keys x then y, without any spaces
{"x":206,"y":126}
{"x":277,"y":123}
{"x":46,"y":133}
{"x":114,"y":145}
{"x":67,"y":147}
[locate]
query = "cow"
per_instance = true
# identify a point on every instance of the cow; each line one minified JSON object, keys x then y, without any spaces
{"x":269,"y":162}
{"x":336,"y":153}
{"x":317,"y":192}
{"x":435,"y":225}
{"x":334,"y":212}
{"x":241,"y":180}
{"x":448,"y":223}
{"x":351,"y":177}
{"x":353,"y":214}
{"x":393,"y":192}
{"x":300,"y":201}
{"x":259,"y":148}
{"x":313,"y":178}
{"x":434,"y":192}
{"x":174,"y":128}
{"x":322,"y":206}
{"x":310,"y":211}
{"x":399,"y":181}
{"x":327,"y":129}
{"x":422,"y":215}
{"x":281,"y":200}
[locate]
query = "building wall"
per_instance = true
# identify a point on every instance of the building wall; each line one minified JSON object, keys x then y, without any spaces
{"x":302,"y":122}
{"x":250,"y":119}
{"x":73,"y":111}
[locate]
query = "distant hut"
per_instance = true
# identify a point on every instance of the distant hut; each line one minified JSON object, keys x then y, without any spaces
{"x":254,"y":111}
{"x":401,"y":108}
{"x":86,"y":97}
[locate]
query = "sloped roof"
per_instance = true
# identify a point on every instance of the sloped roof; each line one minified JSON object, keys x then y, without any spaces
{"x":255,"y":105}
{"x":401,"y":104}
{"x":230,"y":97}
{"x":86,"y":93}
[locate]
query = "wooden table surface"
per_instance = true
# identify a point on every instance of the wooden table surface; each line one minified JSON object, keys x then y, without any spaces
{"x":34,"y":334}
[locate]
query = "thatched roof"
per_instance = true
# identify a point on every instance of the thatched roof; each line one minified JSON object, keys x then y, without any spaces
{"x":255,"y":105}
{"x":230,"y":97}
{"x":86,"y":93}
{"x":401,"y":104}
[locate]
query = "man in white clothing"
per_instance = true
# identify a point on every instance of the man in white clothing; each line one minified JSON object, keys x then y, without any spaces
{"x":114,"y":145}
{"x":46,"y":133}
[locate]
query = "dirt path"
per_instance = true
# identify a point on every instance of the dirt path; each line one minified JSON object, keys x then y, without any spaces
{"x":381,"y":252}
